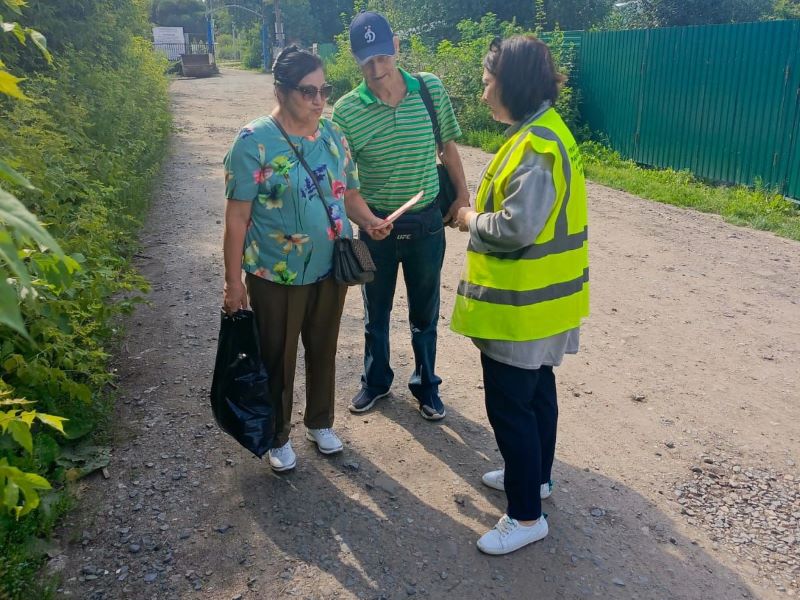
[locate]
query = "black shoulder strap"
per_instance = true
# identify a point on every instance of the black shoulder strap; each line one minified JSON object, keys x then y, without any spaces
{"x":426,"y":98}
{"x":310,"y":172}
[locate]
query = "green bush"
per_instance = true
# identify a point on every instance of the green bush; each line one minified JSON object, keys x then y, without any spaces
{"x":250,"y":48}
{"x":225,"y":48}
{"x":341,"y":70}
{"x":90,"y":139}
{"x":460,"y":66}
{"x":486,"y":140}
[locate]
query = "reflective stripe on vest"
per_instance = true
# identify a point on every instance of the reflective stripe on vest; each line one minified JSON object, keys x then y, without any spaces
{"x":542,"y":289}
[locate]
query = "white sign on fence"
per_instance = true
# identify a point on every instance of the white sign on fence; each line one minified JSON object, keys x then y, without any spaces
{"x":170,"y":41}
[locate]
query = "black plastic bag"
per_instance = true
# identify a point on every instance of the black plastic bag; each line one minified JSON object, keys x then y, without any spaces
{"x":239,"y":390}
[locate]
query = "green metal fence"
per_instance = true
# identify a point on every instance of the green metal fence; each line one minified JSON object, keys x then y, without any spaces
{"x":722,"y":101}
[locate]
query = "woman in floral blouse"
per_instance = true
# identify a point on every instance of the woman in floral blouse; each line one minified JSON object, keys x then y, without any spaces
{"x":276,"y":230}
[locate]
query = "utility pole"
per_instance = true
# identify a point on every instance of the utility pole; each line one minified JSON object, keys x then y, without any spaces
{"x":210,"y":27}
{"x":280,"y":40}
{"x":264,"y":39}
{"x":235,"y":44}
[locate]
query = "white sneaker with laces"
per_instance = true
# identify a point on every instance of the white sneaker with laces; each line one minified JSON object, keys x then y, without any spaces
{"x":283,"y":458}
{"x":496,"y":480}
{"x":508,"y":535}
{"x":326,"y":440}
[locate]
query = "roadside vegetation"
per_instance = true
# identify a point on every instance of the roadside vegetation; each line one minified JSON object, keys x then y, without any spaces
{"x":759,"y":207}
{"x":459,"y":66}
{"x":83,"y":131}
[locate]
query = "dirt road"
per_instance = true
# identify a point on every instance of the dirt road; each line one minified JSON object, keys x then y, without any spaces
{"x":676,"y":472}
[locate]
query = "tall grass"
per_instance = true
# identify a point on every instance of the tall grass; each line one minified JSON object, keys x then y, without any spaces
{"x":758,"y":207}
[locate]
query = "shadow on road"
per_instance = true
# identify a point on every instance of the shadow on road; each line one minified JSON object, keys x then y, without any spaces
{"x":381,"y":538}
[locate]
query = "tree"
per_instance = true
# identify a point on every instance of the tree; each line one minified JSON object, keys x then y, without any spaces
{"x":304,"y":21}
{"x":671,"y":13}
{"x":240,"y":19}
{"x":521,"y":11}
{"x":571,"y":15}
{"x":297,"y":25}
{"x":439,"y":20}
{"x":435,"y":20}
{"x":787,"y":9}
{"x":189,"y":14}
{"x":329,"y":16}
{"x":74,"y":25}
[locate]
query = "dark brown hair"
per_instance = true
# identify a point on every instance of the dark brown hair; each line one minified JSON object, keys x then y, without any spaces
{"x":525,"y":73}
{"x":292,"y":64}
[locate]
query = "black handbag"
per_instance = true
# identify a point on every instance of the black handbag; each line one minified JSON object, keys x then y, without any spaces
{"x":447,"y":191}
{"x":352,"y":263}
{"x":239,"y":389}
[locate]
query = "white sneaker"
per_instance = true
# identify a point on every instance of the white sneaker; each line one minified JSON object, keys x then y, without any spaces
{"x":508,"y":535}
{"x":546,"y":490}
{"x":326,"y":440}
{"x":283,"y":458}
{"x":496,"y":480}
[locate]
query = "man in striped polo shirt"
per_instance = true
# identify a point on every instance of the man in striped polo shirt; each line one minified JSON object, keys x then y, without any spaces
{"x":391,"y":139}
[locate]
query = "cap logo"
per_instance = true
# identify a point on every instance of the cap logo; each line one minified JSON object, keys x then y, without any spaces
{"x":369,"y":35}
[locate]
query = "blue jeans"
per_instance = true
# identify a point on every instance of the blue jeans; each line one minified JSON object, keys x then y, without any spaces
{"x":417,"y":242}
{"x":522,"y":407}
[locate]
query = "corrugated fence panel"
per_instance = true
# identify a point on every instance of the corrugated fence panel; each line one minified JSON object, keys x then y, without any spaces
{"x":721,"y":101}
{"x":609,"y":68}
{"x":788,"y":163}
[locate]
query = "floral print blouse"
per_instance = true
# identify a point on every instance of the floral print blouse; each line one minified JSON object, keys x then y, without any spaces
{"x":289,"y":238}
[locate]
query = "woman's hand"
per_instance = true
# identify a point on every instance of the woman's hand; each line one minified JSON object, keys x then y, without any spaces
{"x":237,"y":216}
{"x":378,"y":229}
{"x":463,"y":217}
{"x":361,"y":215}
{"x":234,"y":297}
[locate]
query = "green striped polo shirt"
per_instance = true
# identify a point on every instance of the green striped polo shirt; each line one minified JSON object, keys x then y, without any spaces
{"x":394,"y":147}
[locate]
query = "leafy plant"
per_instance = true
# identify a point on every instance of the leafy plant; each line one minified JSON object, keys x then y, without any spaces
{"x":17,"y":227}
{"x":19,"y":488}
{"x":250,"y":40}
{"x":459,"y":65}
{"x":17,"y":224}
{"x":9,"y":84}
{"x":89,"y":139}
{"x":341,"y":70}
{"x":787,"y":9}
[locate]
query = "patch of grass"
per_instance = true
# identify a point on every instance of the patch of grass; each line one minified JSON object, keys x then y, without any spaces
{"x":759,"y":207}
{"x":24,"y":545}
{"x":488,"y":141}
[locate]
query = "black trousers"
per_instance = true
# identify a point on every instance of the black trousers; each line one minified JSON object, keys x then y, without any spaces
{"x":523,"y":410}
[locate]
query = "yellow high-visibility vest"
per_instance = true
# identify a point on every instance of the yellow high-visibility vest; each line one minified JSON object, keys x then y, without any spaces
{"x":542,"y":289}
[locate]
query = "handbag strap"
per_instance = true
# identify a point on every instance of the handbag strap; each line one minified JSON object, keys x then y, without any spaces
{"x":428,"y":101}
{"x":311,"y":174}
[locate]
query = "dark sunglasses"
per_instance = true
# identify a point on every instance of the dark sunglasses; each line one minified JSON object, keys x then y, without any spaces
{"x":310,"y":91}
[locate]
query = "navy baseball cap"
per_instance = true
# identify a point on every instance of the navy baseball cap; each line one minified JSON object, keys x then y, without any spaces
{"x":371,"y":35}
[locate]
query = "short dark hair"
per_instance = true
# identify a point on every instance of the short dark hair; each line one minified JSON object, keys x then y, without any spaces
{"x":525,"y":73}
{"x":292,"y":64}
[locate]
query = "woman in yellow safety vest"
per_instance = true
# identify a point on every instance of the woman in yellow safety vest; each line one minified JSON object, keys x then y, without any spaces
{"x":525,"y":285}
